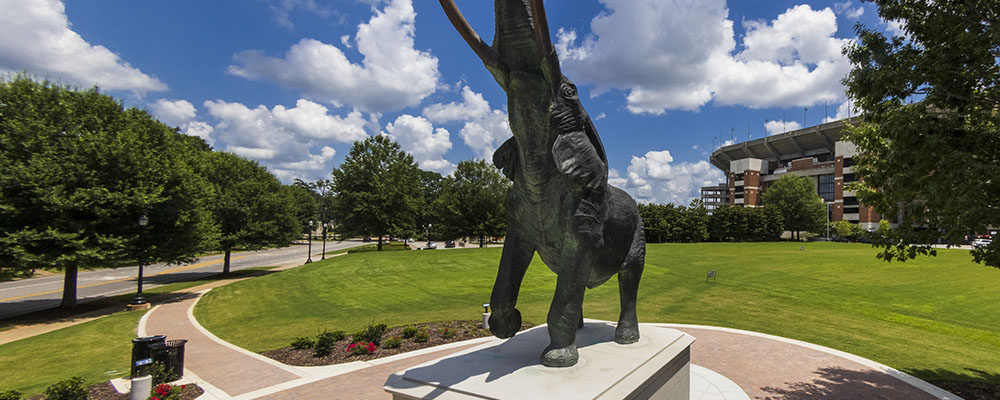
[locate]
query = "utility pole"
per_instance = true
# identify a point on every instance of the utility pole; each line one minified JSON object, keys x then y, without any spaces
{"x":804,"y":109}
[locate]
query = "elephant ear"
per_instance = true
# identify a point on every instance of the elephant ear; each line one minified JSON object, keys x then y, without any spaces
{"x":576,"y":157}
{"x":506,"y":157}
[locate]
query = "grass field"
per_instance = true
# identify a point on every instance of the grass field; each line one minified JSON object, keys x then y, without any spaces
{"x":97,"y":350}
{"x":936,"y":318}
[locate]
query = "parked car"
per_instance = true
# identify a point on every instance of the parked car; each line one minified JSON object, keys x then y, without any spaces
{"x":431,"y":246}
{"x":449,"y":244}
{"x":980,"y":243}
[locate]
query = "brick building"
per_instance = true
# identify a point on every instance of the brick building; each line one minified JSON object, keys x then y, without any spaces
{"x":815,"y":152}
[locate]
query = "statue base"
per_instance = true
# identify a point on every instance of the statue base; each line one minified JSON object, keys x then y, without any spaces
{"x":656,"y":367}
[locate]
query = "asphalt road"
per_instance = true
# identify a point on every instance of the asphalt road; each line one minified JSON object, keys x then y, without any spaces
{"x":29,"y":295}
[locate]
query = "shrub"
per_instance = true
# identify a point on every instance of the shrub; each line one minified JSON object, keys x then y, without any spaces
{"x":302,"y":343}
{"x":422,"y":335}
{"x":371,"y":333}
{"x":166,"y":392}
{"x":447,"y":333}
{"x":392,"y":343}
{"x":409,"y":332}
{"x":361,"y":348}
{"x":324,"y":342}
{"x":161,"y":374}
{"x":67,"y":389}
{"x":10,"y":395}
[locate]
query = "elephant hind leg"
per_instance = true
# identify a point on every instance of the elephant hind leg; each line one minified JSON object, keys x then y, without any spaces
{"x":628,"y":288}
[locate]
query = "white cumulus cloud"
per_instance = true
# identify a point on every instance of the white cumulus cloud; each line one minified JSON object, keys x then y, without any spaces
{"x":417,"y":136}
{"x":35,"y":36}
{"x":657,"y":178}
{"x":775,"y":127}
{"x":173,"y":112}
{"x":392,"y":74}
{"x":485,"y":129}
{"x":669,"y":55}
{"x":291,"y":142}
{"x":181,"y":114}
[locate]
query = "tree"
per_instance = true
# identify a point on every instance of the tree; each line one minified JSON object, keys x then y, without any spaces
{"x":744,"y":224}
{"x":801,"y":208}
{"x":78,"y":172}
{"x":934,"y":161}
{"x":251,"y":208}
{"x":473,"y":202}
{"x":305,"y":207}
{"x":431,"y":212}
{"x":377,"y":190}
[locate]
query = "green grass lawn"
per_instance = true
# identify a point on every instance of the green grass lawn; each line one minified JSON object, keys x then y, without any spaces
{"x":936,"y":318}
{"x":97,"y":350}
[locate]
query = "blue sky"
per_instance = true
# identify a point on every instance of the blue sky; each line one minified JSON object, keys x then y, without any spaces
{"x":291,"y":83}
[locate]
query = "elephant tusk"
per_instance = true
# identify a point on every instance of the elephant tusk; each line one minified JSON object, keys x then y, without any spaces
{"x":483,"y":50}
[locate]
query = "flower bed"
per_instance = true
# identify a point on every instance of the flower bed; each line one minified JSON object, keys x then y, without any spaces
{"x":436,"y":335}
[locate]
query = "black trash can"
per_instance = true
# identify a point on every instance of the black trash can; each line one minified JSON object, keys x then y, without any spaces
{"x":141,"y":353}
{"x":171,"y":355}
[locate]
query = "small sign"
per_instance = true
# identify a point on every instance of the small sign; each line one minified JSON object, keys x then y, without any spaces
{"x":711,"y":275}
{"x":144,"y":361}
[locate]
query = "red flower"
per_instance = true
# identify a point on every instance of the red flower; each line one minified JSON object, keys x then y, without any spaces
{"x":156,"y":398}
{"x":183,"y":387}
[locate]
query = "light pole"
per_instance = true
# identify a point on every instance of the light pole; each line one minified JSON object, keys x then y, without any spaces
{"x":324,"y":242}
{"x":139,"y":300}
{"x":310,"y":259}
{"x":828,"y":212}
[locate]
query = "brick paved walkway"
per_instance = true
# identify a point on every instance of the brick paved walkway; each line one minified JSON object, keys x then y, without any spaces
{"x":765,"y":367}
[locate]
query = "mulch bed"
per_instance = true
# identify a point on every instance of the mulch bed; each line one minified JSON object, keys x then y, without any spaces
{"x":971,"y":390}
{"x":105,"y":391}
{"x":463,"y":330}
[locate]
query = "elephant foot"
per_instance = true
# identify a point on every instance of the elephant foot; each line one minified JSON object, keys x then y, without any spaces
{"x":505,"y":324}
{"x":561,"y":357}
{"x":627,"y":333}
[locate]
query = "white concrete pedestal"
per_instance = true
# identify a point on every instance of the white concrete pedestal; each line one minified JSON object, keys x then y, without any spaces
{"x":657,"y":367}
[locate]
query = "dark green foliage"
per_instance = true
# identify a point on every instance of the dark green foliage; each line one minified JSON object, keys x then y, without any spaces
{"x":324,"y":342}
{"x":67,"y":389}
{"x":422,"y":335}
{"x":251,"y":208}
{"x":79,"y":170}
{"x":302,"y":343}
{"x":744,"y":224}
{"x":390,"y":343}
{"x":10,"y":395}
{"x":370,"y":334}
{"x":429,"y":216}
{"x":161,"y":374}
{"x":929,"y":139}
{"x":669,"y":223}
{"x":800,"y":206}
{"x":377,"y":190}
{"x":305,"y":207}
{"x":409,"y":332}
{"x":473,"y":202}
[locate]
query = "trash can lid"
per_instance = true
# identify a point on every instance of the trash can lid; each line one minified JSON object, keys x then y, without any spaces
{"x":146,"y":339}
{"x":176,"y":342}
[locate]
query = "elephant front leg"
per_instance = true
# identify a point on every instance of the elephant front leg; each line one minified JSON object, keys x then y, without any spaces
{"x":505,"y":320}
{"x":565,"y":316}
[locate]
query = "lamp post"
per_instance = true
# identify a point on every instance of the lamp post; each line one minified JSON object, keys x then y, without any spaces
{"x":139,"y":300}
{"x":324,"y":242}
{"x":828,"y":212}
{"x":310,"y":258}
